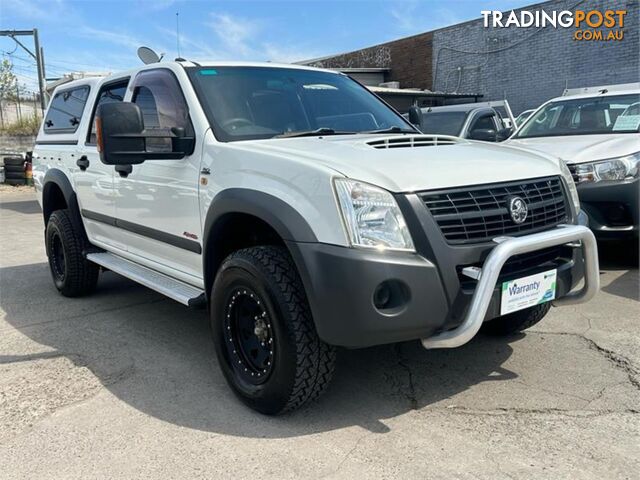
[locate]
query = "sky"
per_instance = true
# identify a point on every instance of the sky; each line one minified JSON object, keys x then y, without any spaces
{"x":103,"y":36}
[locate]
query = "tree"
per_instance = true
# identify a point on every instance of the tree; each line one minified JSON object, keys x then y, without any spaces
{"x":8,"y":80}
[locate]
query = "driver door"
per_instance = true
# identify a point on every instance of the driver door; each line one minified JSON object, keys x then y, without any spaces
{"x":157,"y":205}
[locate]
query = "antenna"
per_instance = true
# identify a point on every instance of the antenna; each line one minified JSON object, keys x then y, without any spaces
{"x":178,"y":32}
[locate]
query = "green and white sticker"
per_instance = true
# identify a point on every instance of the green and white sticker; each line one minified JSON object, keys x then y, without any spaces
{"x":528,"y":291}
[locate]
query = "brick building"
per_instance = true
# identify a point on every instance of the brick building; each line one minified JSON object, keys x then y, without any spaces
{"x":525,"y":65}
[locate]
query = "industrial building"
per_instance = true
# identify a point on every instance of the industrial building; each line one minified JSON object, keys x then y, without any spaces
{"x":526,"y":65}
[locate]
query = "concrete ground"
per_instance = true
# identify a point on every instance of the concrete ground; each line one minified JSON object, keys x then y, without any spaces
{"x":124,"y":384}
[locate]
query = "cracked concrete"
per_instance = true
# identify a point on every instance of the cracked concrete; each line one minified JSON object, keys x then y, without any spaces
{"x":124,"y":384}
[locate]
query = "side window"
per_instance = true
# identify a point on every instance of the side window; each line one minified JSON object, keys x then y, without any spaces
{"x":158,"y":94}
{"x":65,"y":111}
{"x":112,"y":92}
{"x":485,"y":122}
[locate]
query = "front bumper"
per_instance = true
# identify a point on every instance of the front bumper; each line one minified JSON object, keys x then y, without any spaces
{"x":341,"y":285}
{"x":580,"y":236}
{"x":612,"y":208}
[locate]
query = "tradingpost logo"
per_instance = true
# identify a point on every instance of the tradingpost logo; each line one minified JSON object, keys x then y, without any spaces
{"x":588,"y":25}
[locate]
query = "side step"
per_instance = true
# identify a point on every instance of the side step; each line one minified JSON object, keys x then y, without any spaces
{"x":170,"y":287}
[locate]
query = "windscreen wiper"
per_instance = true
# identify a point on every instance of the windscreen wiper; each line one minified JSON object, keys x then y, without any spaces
{"x":392,"y":129}
{"x":313,"y":133}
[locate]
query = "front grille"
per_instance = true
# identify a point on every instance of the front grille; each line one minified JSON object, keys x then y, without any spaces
{"x":479,"y":214}
{"x":521,"y":264}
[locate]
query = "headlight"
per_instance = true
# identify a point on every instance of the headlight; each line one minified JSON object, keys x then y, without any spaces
{"x":573,"y":191}
{"x":372,"y":217}
{"x":620,"y":168}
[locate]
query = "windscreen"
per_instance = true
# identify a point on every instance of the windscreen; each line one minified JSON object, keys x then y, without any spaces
{"x":443,"y":123}
{"x":245,"y":103}
{"x":585,"y":116}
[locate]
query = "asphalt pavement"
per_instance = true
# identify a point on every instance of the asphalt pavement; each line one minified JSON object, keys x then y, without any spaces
{"x":125,"y":384}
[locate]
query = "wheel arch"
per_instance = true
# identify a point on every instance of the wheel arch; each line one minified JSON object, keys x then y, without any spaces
{"x":57,"y":194}
{"x":272,"y":218}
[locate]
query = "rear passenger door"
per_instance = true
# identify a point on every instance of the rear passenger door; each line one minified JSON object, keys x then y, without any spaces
{"x":95,"y":181}
{"x":157,"y":204}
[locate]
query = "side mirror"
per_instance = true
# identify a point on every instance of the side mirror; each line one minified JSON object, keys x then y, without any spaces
{"x":503,"y":134}
{"x":122,"y":139}
{"x":484,"y":134}
{"x":119,"y":128}
{"x":415,"y":115}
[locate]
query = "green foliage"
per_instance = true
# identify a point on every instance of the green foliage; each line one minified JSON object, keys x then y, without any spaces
{"x":8,"y":79}
{"x":28,"y":125}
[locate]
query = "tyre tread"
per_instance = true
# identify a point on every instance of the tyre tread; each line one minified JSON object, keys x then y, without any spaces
{"x":81,"y":274}
{"x":315,"y":359}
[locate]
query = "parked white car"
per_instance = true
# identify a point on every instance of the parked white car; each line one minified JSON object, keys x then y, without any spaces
{"x":304,"y":213}
{"x":598,"y":135}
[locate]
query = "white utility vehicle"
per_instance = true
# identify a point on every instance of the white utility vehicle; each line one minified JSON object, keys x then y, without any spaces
{"x":304,"y":213}
{"x":596,"y":131}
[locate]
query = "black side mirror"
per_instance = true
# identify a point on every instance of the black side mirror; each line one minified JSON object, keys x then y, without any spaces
{"x":484,"y":134}
{"x":122,"y":138}
{"x":503,"y":134}
{"x":415,"y":115}
{"x":119,"y":128}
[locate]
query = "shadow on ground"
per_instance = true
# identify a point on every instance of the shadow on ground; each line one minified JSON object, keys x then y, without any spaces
{"x":156,"y":356}
{"x":621,"y":256}
{"x":25,"y":207}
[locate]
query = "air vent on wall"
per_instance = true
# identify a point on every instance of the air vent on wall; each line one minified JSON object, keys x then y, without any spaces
{"x":413,"y":141}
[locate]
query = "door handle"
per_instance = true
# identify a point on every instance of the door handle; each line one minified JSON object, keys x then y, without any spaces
{"x":83,"y":162}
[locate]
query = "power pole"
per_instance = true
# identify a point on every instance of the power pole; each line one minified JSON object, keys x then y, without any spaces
{"x":38,"y":56}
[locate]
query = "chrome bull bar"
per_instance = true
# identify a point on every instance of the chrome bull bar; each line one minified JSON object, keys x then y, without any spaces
{"x":576,"y":235}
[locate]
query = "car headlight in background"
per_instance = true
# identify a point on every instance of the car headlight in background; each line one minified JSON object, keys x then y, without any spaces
{"x":568,"y":180}
{"x":620,"y":168}
{"x":372,"y":217}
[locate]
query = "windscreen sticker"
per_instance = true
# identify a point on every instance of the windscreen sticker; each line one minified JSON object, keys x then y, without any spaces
{"x":627,"y":122}
{"x":208,"y":72}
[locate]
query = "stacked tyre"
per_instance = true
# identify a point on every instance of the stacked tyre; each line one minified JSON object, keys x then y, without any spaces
{"x":14,"y":170}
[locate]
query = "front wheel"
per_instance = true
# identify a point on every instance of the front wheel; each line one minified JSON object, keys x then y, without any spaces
{"x":265,"y":339}
{"x":516,"y":321}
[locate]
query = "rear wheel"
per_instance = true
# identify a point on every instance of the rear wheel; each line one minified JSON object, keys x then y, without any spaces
{"x":266,"y":342}
{"x":73,"y":275}
{"x":516,"y":321}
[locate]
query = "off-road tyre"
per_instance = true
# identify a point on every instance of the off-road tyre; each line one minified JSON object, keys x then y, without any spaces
{"x":14,"y":169}
{"x":11,"y":161}
{"x":517,"y":321}
{"x":73,"y":275}
{"x":13,"y":181}
{"x":298,"y":367}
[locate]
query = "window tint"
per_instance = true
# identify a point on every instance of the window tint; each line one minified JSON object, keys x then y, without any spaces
{"x":65,"y":110}
{"x":585,"y":116}
{"x":443,"y":123}
{"x":113,"y":92}
{"x":484,"y":123}
{"x":245,"y":103}
{"x":163,"y":107}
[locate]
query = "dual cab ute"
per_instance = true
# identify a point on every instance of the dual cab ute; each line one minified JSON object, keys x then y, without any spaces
{"x":597,"y":133}
{"x":304,"y":213}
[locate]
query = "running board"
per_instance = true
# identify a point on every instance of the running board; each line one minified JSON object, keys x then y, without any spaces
{"x":170,"y":287}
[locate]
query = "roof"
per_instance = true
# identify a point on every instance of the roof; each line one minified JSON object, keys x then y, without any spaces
{"x":611,"y":93}
{"x":72,"y":76}
{"x":72,"y":83}
{"x":225,"y":63}
{"x":465,"y":107}
{"x":362,"y":70}
{"x":411,"y":92}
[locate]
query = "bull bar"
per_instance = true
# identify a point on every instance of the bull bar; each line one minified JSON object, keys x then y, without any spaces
{"x":575,"y":235}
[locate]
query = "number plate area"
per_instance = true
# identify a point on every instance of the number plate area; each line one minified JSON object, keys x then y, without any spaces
{"x":528,"y":291}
